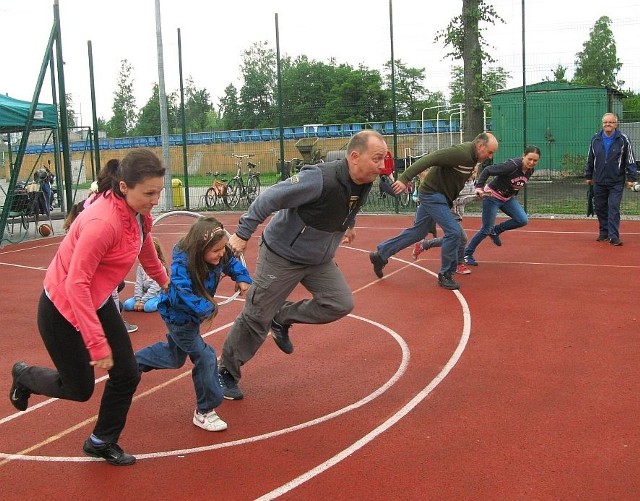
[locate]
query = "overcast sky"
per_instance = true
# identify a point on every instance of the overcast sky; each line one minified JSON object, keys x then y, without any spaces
{"x":215,"y":33}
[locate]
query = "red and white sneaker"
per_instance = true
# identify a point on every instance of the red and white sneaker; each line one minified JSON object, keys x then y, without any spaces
{"x":462,"y":270}
{"x":417,"y":250}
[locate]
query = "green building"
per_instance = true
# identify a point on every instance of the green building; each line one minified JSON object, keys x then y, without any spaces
{"x":561,"y":119}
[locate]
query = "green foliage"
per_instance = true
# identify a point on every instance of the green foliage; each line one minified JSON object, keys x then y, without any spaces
{"x":149,"y":123}
{"x":464,"y":38}
{"x":598,"y":63}
{"x":124,"y":104}
{"x":71,"y":115}
{"x":492,"y":80}
{"x":197,"y":108}
{"x":358,"y":94}
{"x":559,"y":75}
{"x":631,"y":107}
{"x":230,"y":108}
{"x":467,"y":24}
{"x":257,"y":95}
{"x":573,"y":165}
{"x":410,"y":91}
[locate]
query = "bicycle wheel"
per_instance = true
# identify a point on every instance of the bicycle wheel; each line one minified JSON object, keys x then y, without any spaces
{"x":211,"y":198}
{"x":233,"y":194}
{"x":253,"y":188}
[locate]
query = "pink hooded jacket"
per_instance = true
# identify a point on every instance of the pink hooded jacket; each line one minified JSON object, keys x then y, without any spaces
{"x":94,"y":257}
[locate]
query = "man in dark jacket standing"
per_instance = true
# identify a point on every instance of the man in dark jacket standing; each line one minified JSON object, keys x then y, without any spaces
{"x":315,"y":211}
{"x":610,"y":163}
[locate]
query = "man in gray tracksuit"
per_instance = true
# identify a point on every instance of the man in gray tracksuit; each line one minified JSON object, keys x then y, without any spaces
{"x":315,"y":211}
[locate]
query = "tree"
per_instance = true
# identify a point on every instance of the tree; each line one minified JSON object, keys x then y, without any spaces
{"x":464,"y":37}
{"x":356,"y":95}
{"x":631,"y":107}
{"x":257,"y":101}
{"x":306,"y":88}
{"x":148,"y":123}
{"x":559,"y":75}
{"x":494,"y":80}
{"x":598,"y":63}
{"x":230,"y":109}
{"x":197,"y":107}
{"x":71,"y":114}
{"x":410,"y":91}
{"x":124,"y":104}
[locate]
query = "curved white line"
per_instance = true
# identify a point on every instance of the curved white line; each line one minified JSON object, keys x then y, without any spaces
{"x":453,"y":360}
{"x":399,"y":372}
{"x":466,"y":331}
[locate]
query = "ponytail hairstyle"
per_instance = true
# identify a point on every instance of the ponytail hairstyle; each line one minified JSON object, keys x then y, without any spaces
{"x":160,"y":252}
{"x":203,"y":234}
{"x":134,"y":168}
{"x":73,"y":213}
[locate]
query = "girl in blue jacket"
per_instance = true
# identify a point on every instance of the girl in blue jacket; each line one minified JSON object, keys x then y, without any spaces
{"x":199,"y":261}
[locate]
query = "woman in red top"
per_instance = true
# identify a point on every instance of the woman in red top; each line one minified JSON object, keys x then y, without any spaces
{"x":78,"y":321}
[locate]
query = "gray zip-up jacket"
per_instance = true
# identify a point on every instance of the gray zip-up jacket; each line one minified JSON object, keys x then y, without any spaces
{"x":313,"y":209}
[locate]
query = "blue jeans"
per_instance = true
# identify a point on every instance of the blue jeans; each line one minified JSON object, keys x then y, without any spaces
{"x":490,"y":207}
{"x":606,"y":204}
{"x":150,"y":304}
{"x":433,"y":207}
{"x":182,"y":341}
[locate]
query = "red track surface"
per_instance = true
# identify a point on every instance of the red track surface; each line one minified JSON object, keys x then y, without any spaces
{"x":524,"y":385}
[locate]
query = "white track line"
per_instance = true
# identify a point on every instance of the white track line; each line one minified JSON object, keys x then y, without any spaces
{"x":349,"y":450}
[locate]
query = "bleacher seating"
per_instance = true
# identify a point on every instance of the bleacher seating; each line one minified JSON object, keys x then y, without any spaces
{"x":264,"y":134}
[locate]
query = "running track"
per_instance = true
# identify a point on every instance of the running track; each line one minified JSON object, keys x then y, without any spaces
{"x":522,"y":385}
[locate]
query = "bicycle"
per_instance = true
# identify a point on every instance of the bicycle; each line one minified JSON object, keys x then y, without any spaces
{"x":216,"y":192}
{"x":237,"y":189}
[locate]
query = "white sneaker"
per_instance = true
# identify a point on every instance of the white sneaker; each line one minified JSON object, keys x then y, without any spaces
{"x":130,"y":327}
{"x":209,"y":421}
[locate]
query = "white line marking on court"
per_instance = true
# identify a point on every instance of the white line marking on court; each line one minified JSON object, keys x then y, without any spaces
{"x":321,"y":468}
{"x":466,"y":331}
{"x":388,"y":384}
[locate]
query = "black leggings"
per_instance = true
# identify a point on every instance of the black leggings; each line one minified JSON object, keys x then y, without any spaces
{"x":74,"y":377}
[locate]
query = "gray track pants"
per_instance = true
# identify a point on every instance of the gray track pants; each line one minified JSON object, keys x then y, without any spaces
{"x":274,"y":279}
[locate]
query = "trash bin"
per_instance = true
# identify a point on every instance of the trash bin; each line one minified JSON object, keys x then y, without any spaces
{"x":177,"y":193}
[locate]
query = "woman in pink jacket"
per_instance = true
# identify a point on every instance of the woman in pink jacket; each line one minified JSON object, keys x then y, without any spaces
{"x":78,"y":321}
